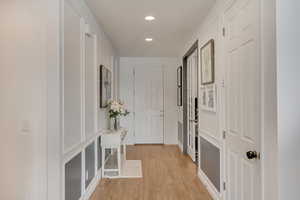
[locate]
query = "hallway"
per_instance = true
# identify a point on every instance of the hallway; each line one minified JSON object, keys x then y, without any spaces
{"x":167,"y":175}
{"x":204,"y":93}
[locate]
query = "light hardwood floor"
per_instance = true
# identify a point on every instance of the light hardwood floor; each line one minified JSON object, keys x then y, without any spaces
{"x":167,"y":175}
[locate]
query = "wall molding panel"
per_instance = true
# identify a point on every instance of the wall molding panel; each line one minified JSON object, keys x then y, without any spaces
{"x":86,"y":46}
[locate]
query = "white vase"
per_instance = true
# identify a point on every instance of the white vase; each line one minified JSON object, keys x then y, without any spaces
{"x":114,"y":123}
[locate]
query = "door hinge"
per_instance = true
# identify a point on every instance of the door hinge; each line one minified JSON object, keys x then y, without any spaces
{"x":224,"y":135}
{"x":224,"y":186}
{"x":223,"y":83}
{"x":224,"y":32}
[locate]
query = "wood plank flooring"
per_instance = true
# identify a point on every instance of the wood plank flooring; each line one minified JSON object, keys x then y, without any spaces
{"x":167,"y":175}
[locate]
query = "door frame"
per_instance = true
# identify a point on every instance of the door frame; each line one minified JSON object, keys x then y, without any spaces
{"x":184,"y":94}
{"x":164,"y":103}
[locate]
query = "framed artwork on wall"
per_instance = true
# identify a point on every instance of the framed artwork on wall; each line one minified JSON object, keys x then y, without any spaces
{"x":179,"y":76}
{"x":105,"y":86}
{"x":203,"y":95}
{"x":179,"y":96}
{"x":208,"y":63}
{"x":208,"y":98}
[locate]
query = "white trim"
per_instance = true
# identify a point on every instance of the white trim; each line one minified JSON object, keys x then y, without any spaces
{"x":83,"y":172}
{"x":180,"y":146}
{"x":62,"y":70}
{"x":86,"y":193}
{"x":164,"y":104}
{"x":68,"y":156}
{"x":91,"y":188}
{"x":203,"y":176}
{"x":82,"y":64}
{"x":82,"y":80}
{"x":133,"y":99}
{"x":211,"y":138}
{"x":209,"y":186}
{"x":96,"y":81}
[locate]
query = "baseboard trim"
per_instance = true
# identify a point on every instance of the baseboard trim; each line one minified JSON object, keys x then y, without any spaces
{"x":209,"y":186}
{"x":92,"y":187}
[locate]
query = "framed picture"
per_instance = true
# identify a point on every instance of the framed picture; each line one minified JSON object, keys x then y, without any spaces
{"x":208,"y":63}
{"x":179,"y":76}
{"x":211,"y":97}
{"x":208,"y":98}
{"x":203,"y":97}
{"x":105,"y":86}
{"x":179,"y":96}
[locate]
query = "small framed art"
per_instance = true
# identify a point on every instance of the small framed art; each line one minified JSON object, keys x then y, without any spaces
{"x":208,"y":63}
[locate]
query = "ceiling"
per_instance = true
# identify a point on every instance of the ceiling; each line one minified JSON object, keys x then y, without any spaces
{"x":124,"y":23}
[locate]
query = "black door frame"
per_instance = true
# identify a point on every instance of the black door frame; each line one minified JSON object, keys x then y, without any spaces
{"x":193,"y":48}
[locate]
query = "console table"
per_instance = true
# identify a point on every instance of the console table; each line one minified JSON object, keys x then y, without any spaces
{"x":113,"y":152}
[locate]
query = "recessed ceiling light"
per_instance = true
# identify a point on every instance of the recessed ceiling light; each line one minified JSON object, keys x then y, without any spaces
{"x":149,"y":39}
{"x":149,"y":18}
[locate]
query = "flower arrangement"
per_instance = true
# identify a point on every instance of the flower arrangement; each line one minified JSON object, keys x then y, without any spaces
{"x":116,"y":109}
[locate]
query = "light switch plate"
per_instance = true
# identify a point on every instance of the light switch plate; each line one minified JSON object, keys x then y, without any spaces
{"x":25,"y":127}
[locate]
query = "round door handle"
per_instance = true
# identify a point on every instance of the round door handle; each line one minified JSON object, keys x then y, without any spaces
{"x":252,"y":155}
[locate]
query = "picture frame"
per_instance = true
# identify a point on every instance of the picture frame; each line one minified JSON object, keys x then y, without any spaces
{"x":179,"y":76}
{"x":208,"y":98}
{"x":208,"y":63}
{"x":179,"y":96}
{"x":105,"y":87}
{"x":203,"y":97}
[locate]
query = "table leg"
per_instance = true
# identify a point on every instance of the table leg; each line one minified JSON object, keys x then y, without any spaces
{"x":119,"y":160}
{"x":103,"y":160}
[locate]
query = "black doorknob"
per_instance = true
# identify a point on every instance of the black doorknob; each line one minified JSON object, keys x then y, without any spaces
{"x":252,"y":155}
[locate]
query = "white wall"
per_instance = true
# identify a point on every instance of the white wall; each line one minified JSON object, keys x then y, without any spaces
{"x":81,"y":104}
{"x":170,"y":77}
{"x":23,"y":69}
{"x":105,"y":56}
{"x":31,"y":154}
{"x":213,"y":124}
{"x":288,"y":71}
{"x":106,"y":52}
{"x":270,"y":137}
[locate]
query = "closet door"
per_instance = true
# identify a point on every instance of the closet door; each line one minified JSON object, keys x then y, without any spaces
{"x":243,"y":101}
{"x":149,"y":105}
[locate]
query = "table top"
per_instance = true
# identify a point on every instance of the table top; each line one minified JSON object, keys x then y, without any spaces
{"x":113,"y":137}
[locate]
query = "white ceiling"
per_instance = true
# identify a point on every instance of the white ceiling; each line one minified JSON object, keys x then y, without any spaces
{"x":123,"y":21}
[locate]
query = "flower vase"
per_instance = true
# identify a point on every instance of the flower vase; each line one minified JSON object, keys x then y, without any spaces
{"x":114,"y":124}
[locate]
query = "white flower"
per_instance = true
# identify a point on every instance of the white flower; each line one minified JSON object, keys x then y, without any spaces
{"x":117,"y":108}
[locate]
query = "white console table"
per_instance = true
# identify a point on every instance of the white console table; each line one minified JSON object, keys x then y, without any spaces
{"x":113,"y":152}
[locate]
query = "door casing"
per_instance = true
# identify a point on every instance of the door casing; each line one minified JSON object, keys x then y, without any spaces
{"x":184,"y":95}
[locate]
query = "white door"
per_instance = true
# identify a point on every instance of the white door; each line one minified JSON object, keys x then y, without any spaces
{"x":192,"y":66}
{"x":243,"y":101}
{"x":149,"y":105}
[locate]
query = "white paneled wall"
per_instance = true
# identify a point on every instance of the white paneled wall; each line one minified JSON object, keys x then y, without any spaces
{"x":85,"y":47}
{"x":211,"y":123}
{"x":79,"y":81}
{"x":72,"y":77}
